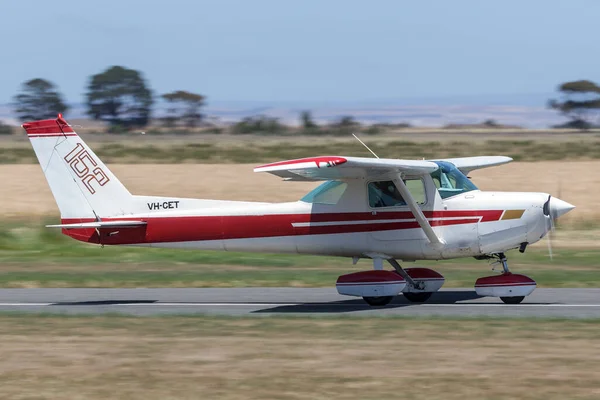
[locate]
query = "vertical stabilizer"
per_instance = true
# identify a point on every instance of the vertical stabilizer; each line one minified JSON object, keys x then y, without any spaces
{"x":82,"y":185}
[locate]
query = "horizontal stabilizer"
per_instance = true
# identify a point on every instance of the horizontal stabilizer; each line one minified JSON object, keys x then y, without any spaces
{"x":100,"y":224}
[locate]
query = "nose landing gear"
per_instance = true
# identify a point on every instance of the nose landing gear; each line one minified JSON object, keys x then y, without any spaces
{"x":511,"y":288}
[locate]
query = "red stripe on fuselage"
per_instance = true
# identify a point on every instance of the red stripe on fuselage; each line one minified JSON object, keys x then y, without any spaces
{"x":199,"y":228}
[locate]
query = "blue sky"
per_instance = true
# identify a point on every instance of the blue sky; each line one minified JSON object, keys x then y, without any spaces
{"x":305,"y":51}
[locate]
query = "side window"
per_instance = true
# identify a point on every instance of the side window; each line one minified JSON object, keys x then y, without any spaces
{"x":385,"y":193}
{"x":417,"y":189}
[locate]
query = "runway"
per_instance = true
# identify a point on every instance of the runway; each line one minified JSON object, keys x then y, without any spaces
{"x":568,"y":303}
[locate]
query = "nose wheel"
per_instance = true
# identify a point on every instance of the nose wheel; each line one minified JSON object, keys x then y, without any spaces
{"x":508,"y":299}
{"x":511,"y":288}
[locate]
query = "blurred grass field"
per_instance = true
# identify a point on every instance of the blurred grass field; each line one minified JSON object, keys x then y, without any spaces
{"x":34,"y":256}
{"x":191,"y":357}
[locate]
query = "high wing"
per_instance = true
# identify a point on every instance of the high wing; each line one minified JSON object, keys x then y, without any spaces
{"x":468,"y":164}
{"x":341,"y":168}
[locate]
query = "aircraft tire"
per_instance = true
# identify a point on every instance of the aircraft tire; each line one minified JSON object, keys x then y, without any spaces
{"x":418,"y":297}
{"x":378,"y":301}
{"x":512,"y":300}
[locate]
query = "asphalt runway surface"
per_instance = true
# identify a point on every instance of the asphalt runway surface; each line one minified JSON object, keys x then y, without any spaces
{"x":569,"y":303}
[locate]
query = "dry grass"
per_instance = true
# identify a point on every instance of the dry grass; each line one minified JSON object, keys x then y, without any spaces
{"x":25,"y":192}
{"x":258,"y":358}
{"x":132,"y":148}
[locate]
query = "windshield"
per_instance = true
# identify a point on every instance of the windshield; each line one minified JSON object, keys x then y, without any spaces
{"x":450,"y":181}
{"x":329,"y":192}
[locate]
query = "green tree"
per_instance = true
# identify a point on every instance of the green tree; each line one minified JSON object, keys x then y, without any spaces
{"x":344,"y":126}
{"x":260,"y":124}
{"x":38,"y":99}
{"x":184,"y":107}
{"x":119,"y":96}
{"x":306,"y":120}
{"x":5,"y":129}
{"x":580,"y":102}
{"x":346,"y":121}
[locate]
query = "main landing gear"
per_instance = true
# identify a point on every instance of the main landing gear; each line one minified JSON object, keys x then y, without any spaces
{"x":378,"y":287}
{"x":416,"y":289}
{"x":511,"y":288}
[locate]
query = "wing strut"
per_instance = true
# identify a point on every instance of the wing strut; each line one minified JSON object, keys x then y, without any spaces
{"x":418,"y":214}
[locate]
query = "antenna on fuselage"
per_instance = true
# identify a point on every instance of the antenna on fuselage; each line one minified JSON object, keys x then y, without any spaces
{"x":367,"y":147}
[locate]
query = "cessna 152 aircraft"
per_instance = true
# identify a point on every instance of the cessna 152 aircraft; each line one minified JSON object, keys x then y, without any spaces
{"x":386,"y":210}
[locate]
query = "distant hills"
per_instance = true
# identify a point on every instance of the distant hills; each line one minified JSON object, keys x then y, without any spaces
{"x":528,"y":111}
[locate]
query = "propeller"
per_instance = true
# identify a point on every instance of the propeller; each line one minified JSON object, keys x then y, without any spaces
{"x":554,"y":208}
{"x":548,"y":212}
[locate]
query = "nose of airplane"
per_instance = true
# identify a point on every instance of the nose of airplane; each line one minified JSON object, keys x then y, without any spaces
{"x":559,"y":207}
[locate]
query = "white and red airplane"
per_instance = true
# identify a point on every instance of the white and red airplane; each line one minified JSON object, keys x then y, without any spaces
{"x":381,"y":209}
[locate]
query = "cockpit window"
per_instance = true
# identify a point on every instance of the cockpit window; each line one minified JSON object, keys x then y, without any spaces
{"x":386,"y":194}
{"x":450,"y":181}
{"x":329,"y":192}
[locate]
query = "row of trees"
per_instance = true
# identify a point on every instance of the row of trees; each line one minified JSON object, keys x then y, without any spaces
{"x":118,"y":95}
{"x":344,"y":126}
{"x":121,"y":97}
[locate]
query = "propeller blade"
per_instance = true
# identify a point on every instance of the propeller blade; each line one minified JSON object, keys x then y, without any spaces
{"x":546,"y":208}
{"x":549,"y":241}
{"x":548,"y":212}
